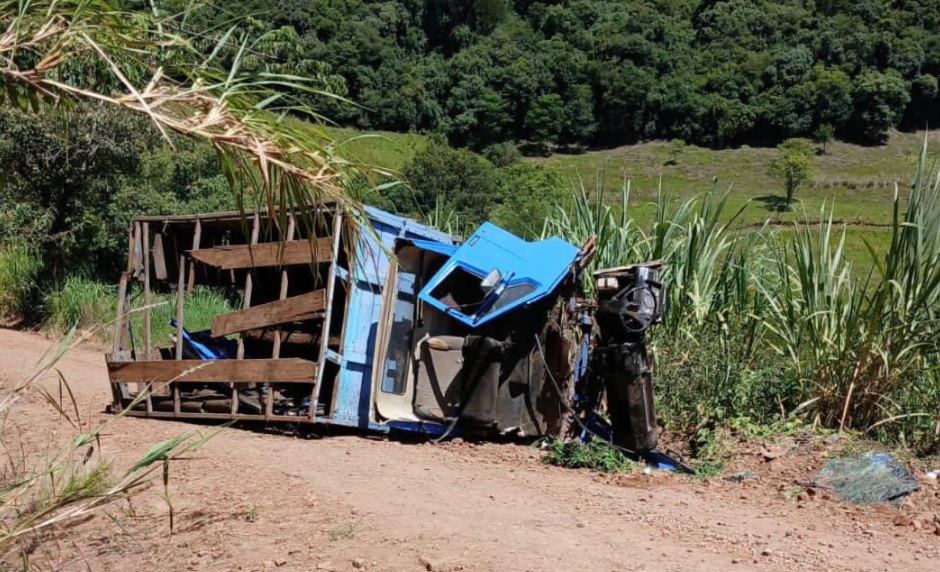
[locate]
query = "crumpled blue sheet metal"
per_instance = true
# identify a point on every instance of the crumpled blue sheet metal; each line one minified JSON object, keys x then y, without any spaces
{"x":528,"y":272}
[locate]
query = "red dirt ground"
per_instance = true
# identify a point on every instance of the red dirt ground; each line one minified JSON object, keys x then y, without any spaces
{"x":250,"y":500}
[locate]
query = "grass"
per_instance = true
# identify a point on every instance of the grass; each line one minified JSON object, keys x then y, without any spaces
{"x":856,"y":182}
{"x":341,"y":532}
{"x":778,"y":322}
{"x":595,"y":455}
{"x":19,"y":269}
{"x":382,"y":149}
{"x":45,"y":491}
{"x":87,"y":304}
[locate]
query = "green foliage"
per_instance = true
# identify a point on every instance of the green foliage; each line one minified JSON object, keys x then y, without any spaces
{"x":81,"y":303}
{"x":775,"y":324}
{"x":603,"y":71}
{"x":20,"y":266}
{"x":92,"y":306}
{"x":676,"y":147}
{"x":792,"y":167}
{"x":880,"y":102}
{"x":461,"y":179}
{"x":546,"y":118}
{"x":528,"y":194}
{"x":595,"y":455}
{"x":64,"y":166}
{"x":823,"y":134}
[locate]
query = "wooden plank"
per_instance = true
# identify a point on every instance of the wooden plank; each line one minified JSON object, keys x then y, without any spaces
{"x":148,"y":310}
{"x":266,"y":254}
{"x":180,"y":293}
{"x":197,"y":237}
{"x":130,"y":247}
{"x":293,"y":419}
{"x":278,"y":338}
{"x":286,"y":370}
{"x":119,"y":322}
{"x":138,"y":252}
{"x":293,"y":309}
{"x":315,"y":396}
{"x":159,"y":258}
{"x":246,"y":304}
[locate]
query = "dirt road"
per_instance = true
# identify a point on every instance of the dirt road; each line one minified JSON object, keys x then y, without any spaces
{"x":254,"y":501}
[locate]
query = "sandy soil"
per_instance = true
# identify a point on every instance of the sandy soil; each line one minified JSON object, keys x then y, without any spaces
{"x":250,"y":500}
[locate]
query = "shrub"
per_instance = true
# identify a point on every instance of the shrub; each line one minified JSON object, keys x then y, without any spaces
{"x":20,"y":266}
{"x":596,"y":455}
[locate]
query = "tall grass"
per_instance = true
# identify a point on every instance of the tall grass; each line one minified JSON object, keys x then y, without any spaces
{"x":87,"y":305}
{"x":43,"y":493}
{"x":19,"y":270}
{"x":773,"y":322}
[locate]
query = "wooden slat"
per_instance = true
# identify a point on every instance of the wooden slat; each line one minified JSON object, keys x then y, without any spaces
{"x":278,"y":338}
{"x":138,"y":252}
{"x":292,"y":419}
{"x":148,"y":310}
{"x":293,"y":309}
{"x":315,"y":395}
{"x":159,"y":258}
{"x":197,"y":237}
{"x":180,"y":293}
{"x":286,"y":370}
{"x":120,"y":320}
{"x":265,"y":254}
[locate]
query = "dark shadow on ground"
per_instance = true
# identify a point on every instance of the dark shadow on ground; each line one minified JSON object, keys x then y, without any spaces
{"x":773,"y":203}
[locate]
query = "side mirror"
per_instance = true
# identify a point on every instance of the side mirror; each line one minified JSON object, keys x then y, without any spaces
{"x":491,"y":281}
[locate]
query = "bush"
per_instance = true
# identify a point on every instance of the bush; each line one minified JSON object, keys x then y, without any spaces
{"x":528,"y":193}
{"x":461,"y":179}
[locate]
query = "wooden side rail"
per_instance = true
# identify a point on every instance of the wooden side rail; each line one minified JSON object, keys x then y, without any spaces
{"x":162,"y":373}
{"x":266,"y":254}
{"x":293,"y":309}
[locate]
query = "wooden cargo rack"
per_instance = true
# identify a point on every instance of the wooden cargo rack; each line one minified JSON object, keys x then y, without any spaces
{"x":283,"y":274}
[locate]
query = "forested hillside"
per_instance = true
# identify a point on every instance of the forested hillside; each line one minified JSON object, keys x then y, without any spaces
{"x":606,"y":72}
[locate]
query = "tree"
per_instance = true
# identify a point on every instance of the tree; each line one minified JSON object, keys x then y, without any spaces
{"x":457,"y":178}
{"x":823,"y":134}
{"x":65,"y":166}
{"x":879,"y":103}
{"x":676,"y":147}
{"x":545,"y":119}
{"x":792,"y":167}
{"x":528,"y":194}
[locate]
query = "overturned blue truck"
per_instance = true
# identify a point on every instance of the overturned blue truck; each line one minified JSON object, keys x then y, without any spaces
{"x":377,"y":322}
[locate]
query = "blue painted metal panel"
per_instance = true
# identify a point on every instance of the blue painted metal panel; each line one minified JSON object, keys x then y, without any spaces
{"x":354,"y":390}
{"x":539,"y":265}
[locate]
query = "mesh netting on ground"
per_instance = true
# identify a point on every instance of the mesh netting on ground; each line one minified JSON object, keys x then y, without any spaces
{"x":867,"y":479}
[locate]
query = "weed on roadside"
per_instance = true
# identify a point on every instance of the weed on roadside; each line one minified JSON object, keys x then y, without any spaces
{"x":596,"y":455}
{"x":341,"y":532}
